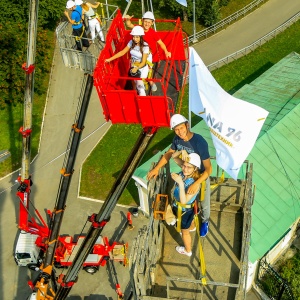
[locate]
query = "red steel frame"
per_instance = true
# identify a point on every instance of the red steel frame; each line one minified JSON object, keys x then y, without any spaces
{"x":126,"y":106}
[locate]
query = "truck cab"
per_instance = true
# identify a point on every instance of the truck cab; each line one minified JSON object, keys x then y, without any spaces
{"x":27,"y":253}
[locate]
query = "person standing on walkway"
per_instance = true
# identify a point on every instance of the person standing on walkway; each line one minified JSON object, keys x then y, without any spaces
{"x":140,"y":53}
{"x":183,"y":205}
{"x":76,"y":21}
{"x":151,"y":37}
{"x":188,"y":142}
{"x":94,"y":23}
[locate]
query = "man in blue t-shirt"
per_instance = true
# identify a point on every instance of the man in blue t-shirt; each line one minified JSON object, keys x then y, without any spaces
{"x":76,"y":21}
{"x":188,"y":142}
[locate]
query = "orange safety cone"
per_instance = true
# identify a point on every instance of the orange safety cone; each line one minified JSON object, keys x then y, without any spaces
{"x":129,"y":220}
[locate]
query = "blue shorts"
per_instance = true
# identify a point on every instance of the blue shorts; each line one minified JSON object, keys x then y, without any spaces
{"x":186,"y":217}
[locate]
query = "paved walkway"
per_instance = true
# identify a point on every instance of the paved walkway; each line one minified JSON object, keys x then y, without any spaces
{"x":64,"y":91}
{"x":248,"y":30}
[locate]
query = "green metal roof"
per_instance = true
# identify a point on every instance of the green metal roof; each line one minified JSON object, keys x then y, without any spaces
{"x":275,"y":156}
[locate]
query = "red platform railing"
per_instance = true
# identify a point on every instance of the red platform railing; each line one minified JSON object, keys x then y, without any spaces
{"x":123,"y":105}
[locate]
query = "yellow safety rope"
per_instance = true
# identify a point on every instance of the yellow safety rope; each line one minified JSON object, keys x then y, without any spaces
{"x":222,"y":178}
{"x":103,"y":16}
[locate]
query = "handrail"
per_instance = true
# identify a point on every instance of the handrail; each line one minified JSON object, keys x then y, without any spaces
{"x":238,"y":54}
{"x":212,"y":29}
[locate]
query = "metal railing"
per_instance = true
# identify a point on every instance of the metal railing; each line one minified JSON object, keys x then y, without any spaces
{"x":228,"y":20}
{"x":273,"y":285}
{"x":84,"y":60}
{"x":145,"y":252}
{"x":232,"y":57}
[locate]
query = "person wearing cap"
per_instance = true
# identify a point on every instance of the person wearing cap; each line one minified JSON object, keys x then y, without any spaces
{"x":76,"y":20}
{"x":140,"y":53}
{"x":183,"y":205}
{"x":94,"y":23}
{"x":187,"y":142}
{"x":151,"y":37}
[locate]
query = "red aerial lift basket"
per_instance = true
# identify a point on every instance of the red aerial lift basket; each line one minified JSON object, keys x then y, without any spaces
{"x":122,"y":104}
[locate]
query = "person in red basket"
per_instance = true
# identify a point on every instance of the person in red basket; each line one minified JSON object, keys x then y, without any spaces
{"x":139,"y":54}
{"x":151,"y":37}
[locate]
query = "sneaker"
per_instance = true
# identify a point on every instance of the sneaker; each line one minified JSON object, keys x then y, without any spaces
{"x":153,"y":87}
{"x":182,"y":250}
{"x":204,"y":229}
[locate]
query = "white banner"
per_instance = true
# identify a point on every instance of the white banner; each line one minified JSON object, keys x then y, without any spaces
{"x":182,"y":2}
{"x":234,"y":124}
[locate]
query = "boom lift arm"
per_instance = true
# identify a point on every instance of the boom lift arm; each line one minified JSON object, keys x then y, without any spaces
{"x":66,"y":175}
{"x":99,"y":220}
{"x":24,"y":178}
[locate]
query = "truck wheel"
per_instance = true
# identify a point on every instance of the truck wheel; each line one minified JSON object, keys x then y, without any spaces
{"x":33,"y":267}
{"x":90,"y":269}
{"x":58,"y":265}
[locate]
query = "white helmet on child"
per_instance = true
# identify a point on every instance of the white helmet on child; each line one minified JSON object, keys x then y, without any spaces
{"x":78,"y":2}
{"x":70,"y":4}
{"x":176,"y":120}
{"x":148,"y":15}
{"x":137,"y":30}
{"x":195,"y":160}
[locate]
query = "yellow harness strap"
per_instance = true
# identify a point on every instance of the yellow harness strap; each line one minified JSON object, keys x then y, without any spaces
{"x":202,"y":191}
{"x":179,"y":213}
{"x":150,"y":64}
{"x":201,"y":254}
{"x":79,"y":37}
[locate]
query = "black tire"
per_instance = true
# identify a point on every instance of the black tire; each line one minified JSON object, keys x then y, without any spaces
{"x":33,"y":267}
{"x":91,"y":270}
{"x":57,"y":265}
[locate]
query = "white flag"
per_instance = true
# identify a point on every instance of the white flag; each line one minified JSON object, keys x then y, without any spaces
{"x":182,"y":2}
{"x":234,"y":124}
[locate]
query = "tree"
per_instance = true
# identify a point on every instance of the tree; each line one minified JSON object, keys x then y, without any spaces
{"x":13,"y":41}
{"x":211,"y":13}
{"x":178,"y":10}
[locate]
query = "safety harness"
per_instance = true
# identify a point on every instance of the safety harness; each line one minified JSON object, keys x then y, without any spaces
{"x":180,"y":206}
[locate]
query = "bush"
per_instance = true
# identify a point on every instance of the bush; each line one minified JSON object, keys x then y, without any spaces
{"x":290,"y":271}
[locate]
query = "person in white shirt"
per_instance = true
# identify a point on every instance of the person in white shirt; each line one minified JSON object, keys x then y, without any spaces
{"x":94,"y":23}
{"x":140,"y":54}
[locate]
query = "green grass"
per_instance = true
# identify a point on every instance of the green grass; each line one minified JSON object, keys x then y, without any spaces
{"x":11,"y":119}
{"x":99,"y":175}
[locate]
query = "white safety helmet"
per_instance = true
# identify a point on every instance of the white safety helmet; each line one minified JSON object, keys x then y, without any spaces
{"x":148,"y":15}
{"x":195,"y":160}
{"x":78,"y":2}
{"x":137,"y":30}
{"x":70,"y":4}
{"x":176,"y":120}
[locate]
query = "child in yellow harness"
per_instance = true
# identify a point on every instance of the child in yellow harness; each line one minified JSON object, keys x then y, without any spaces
{"x":183,"y":206}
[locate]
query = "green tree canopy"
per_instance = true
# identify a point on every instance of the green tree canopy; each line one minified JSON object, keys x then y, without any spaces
{"x":13,"y":39}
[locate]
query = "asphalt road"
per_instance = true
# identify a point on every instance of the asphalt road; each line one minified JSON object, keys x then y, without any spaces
{"x":64,"y":91}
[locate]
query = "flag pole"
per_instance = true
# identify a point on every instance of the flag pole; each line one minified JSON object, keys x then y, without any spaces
{"x":194,"y":22}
